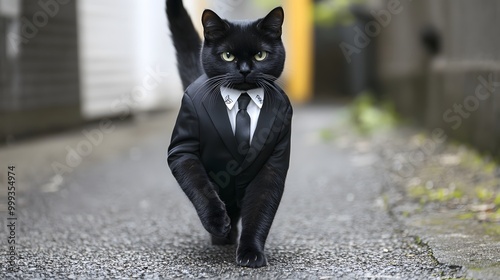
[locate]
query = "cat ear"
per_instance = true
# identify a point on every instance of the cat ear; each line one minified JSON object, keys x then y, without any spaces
{"x":214,"y":27}
{"x":272,"y":23}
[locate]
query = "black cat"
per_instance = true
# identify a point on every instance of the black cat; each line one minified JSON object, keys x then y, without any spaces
{"x":224,"y":177}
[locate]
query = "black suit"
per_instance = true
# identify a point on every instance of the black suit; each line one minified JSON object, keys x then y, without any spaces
{"x":223,"y":182}
{"x":203,"y":133}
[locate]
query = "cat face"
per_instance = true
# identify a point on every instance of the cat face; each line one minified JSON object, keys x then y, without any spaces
{"x":246,"y":54}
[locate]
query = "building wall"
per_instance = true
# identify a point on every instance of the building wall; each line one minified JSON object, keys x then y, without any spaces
{"x":127,"y":62}
{"x":441,"y":90}
{"x":107,"y":41}
{"x":64,"y":62}
{"x":40,"y":88}
{"x":9,"y":20}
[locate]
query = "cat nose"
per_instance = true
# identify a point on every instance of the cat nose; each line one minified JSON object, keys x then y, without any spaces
{"x":244,"y":69}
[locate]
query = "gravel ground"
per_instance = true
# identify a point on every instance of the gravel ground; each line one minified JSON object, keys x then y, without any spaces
{"x":120,"y":214}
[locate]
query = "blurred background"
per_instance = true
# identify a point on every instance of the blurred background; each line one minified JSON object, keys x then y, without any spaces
{"x":396,"y":109}
{"x":66,"y":62}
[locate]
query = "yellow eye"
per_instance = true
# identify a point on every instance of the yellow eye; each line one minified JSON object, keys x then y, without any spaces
{"x":227,"y":56}
{"x":260,"y":56}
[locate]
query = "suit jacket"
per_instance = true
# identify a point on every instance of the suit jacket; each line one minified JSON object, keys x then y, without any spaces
{"x":203,"y":132}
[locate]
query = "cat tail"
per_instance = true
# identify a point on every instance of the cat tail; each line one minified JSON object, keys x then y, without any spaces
{"x":186,"y":41}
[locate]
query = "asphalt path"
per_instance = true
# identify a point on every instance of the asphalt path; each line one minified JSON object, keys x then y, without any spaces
{"x":118,"y":212}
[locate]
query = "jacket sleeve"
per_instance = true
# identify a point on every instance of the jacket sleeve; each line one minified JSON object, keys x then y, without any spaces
{"x":184,"y":162}
{"x":185,"y":136}
{"x":280,"y":158}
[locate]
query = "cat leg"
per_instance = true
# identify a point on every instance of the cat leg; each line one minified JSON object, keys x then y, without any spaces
{"x":200,"y":190}
{"x":232,"y":237}
{"x":259,"y":206}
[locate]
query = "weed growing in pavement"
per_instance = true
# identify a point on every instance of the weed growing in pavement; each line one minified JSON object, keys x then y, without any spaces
{"x":369,"y":115}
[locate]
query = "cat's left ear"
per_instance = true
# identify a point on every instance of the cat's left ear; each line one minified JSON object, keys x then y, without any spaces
{"x":272,"y":23}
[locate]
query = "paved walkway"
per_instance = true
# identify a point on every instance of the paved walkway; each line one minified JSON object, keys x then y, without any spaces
{"x":118,"y":213}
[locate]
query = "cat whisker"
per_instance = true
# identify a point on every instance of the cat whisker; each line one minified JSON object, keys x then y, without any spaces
{"x":263,"y":85}
{"x":271,"y":79}
{"x":213,"y":83}
{"x":195,"y":150}
{"x":266,"y":85}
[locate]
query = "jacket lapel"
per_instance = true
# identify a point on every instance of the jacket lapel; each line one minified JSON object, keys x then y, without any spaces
{"x":217,"y":110}
{"x":264,"y":128}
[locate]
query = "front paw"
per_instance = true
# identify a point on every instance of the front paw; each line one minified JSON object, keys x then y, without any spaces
{"x":250,"y":258}
{"x":216,"y":221}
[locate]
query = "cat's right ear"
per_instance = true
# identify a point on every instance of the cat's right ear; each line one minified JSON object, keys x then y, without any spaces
{"x":273,"y":22}
{"x":214,"y":27}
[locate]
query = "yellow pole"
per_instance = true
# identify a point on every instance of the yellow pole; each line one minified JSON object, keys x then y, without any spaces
{"x":299,"y":32}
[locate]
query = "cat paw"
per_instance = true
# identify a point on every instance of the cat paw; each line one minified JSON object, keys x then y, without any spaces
{"x":251,"y":258}
{"x":217,"y":222}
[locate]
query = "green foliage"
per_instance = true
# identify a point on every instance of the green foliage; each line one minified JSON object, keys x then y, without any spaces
{"x":332,"y":12}
{"x":370,"y":116}
{"x":434,"y":194}
{"x":418,"y":240}
{"x":327,"y":135}
{"x":474,"y":159}
{"x":492,"y":229}
{"x":497,"y":201}
{"x":484,"y":195}
{"x":466,"y":216}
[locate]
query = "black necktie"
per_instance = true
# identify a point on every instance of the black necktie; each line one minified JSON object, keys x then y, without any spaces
{"x":242,"y":131}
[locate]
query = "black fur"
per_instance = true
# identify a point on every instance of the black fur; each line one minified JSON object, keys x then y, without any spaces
{"x":243,"y":39}
{"x":259,"y":207}
{"x":194,"y":181}
{"x":186,"y":42}
{"x":220,"y":207}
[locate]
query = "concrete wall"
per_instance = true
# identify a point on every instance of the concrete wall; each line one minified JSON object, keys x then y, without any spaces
{"x":63,"y":62}
{"x":40,"y":82}
{"x":455,"y":88}
{"x":107,"y":42}
{"x":127,"y":63}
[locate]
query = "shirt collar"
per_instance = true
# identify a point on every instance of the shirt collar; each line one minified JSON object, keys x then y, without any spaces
{"x":230,"y":96}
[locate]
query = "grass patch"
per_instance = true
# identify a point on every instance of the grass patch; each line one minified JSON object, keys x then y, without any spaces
{"x":466,"y":216}
{"x":418,"y":240}
{"x":368,"y":115}
{"x":492,"y":229}
{"x":472,"y":159}
{"x":484,"y":195}
{"x":425,"y":194}
{"x":327,"y":135}
{"x":497,"y":201}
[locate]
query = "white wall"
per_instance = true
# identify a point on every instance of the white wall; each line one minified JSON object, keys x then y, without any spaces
{"x":10,"y":8}
{"x":156,"y":54}
{"x":127,"y":62}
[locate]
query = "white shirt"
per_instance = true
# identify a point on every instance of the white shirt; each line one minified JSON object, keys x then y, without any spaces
{"x":230,"y":97}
